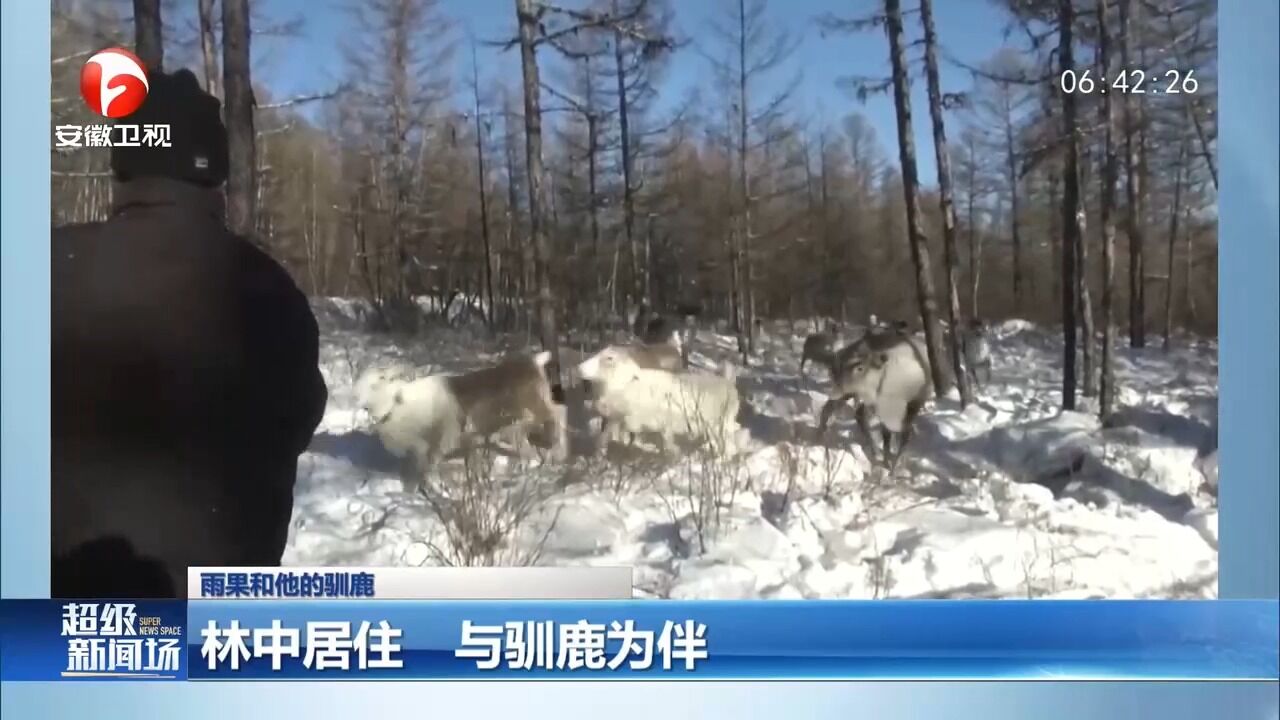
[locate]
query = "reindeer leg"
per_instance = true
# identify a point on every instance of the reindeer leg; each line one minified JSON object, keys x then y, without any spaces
{"x":411,"y":473}
{"x":415,"y":466}
{"x":888,"y":457}
{"x":559,"y":435}
{"x":908,"y":429}
{"x":828,"y":408}
{"x":864,"y":427}
{"x":602,"y":438}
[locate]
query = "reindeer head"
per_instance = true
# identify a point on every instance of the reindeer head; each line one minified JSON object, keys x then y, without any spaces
{"x":862,"y":372}
{"x":610,"y":365}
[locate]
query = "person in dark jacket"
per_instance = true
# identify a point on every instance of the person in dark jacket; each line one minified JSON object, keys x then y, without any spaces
{"x":185,"y":379}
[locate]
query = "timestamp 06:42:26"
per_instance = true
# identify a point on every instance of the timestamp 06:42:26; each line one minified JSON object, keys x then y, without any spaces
{"x":1133,"y":82}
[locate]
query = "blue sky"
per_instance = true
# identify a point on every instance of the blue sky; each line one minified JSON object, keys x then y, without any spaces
{"x":971,"y":30}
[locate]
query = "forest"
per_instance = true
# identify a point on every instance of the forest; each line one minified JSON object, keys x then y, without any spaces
{"x":550,"y":203}
{"x":1040,"y":175}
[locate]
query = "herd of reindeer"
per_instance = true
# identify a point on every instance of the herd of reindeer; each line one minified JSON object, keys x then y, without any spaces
{"x":647,"y":386}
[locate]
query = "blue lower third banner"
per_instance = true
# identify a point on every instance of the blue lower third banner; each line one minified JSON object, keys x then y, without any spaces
{"x":623,"y":639}
{"x":392,"y":640}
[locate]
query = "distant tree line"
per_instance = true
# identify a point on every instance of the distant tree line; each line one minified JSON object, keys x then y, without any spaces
{"x":556,"y":203}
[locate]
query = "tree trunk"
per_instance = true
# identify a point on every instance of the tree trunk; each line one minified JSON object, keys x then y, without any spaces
{"x":1173,"y":239}
{"x":832,"y":276}
{"x":809,"y":255}
{"x":628,"y":186}
{"x":1015,"y":210}
{"x":735,"y":282}
{"x":1188,"y":269}
{"x":1071,"y":209}
{"x":945,"y":194}
{"x":1192,"y":107}
{"x":547,"y":329}
{"x":1107,"y":204}
{"x":148,"y":34}
{"x":1205,"y":150}
{"x":970,"y":198}
{"x":517,"y":246}
{"x":907,"y":154}
{"x":399,"y":58}
{"x":733,"y":254}
{"x":1133,"y":185}
{"x":483,"y":183}
{"x":648,"y":260}
{"x":1055,"y":225}
{"x":1084,"y":297}
{"x":311,"y":234}
{"x":593,"y":194}
{"x":238,"y":87}
{"x":744,"y":179}
{"x":593,"y":197}
{"x":209,"y":46}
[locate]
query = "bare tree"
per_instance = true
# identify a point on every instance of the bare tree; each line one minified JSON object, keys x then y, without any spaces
{"x":1179,"y":180}
{"x":1072,"y":209}
{"x":542,"y":23}
{"x":925,"y":294}
{"x":639,"y":283}
{"x":754,"y":49}
{"x":745,"y":231}
{"x":1198,"y":48}
{"x":946,"y":199}
{"x":148,"y":34}
{"x":241,"y":141}
{"x":998,"y":105}
{"x":1135,"y":209}
{"x":482,"y":183}
{"x":1053,"y":185}
{"x":521,"y":252}
{"x":395,"y":54}
{"x":1013,"y":178}
{"x":593,"y":182}
{"x":528,"y":20}
{"x":1084,"y":298}
{"x":866,"y":166}
{"x":208,"y":45}
{"x":584,"y":103}
{"x":971,"y":166}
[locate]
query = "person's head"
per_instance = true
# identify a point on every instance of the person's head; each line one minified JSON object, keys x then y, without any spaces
{"x":198,"y":152}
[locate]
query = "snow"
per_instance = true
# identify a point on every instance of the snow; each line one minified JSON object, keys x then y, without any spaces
{"x":1010,"y":497}
{"x":1205,"y":522}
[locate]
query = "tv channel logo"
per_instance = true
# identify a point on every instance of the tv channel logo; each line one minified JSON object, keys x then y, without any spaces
{"x":113,"y":83}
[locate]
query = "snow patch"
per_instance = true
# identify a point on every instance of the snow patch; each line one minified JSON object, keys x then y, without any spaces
{"x":1008,"y":497}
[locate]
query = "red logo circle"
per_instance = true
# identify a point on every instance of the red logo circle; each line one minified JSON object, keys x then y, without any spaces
{"x":114,"y":83}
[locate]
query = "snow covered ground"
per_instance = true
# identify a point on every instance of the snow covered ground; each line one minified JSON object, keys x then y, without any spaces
{"x":1008,"y":498}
